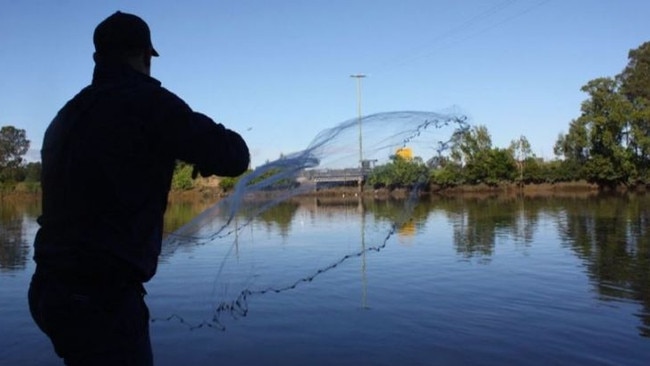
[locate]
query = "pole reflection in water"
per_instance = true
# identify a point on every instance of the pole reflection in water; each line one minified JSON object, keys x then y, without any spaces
{"x":364,"y":279}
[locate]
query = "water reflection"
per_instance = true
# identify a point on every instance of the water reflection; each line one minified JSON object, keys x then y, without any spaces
{"x":478,"y":222}
{"x":280,"y":216}
{"x":611,"y":234}
{"x":15,"y":216}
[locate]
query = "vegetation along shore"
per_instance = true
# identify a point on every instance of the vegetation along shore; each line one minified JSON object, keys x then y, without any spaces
{"x":606,"y":148}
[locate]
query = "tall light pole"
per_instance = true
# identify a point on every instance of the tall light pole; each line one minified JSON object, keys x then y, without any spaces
{"x":359,"y":77}
{"x":363,"y":214}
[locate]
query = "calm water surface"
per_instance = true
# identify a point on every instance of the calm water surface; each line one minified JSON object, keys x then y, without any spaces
{"x":496,"y":281}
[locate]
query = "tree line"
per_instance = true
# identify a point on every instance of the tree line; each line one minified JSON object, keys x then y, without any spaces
{"x":13,"y":166}
{"x":608,"y":144}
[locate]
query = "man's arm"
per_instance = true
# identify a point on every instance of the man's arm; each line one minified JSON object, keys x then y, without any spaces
{"x":196,"y":139}
{"x":218,"y":150}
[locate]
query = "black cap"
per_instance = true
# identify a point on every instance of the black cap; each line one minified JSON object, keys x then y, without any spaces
{"x":122,"y":31}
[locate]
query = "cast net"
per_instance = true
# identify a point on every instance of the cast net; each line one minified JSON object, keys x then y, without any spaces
{"x":364,"y":149}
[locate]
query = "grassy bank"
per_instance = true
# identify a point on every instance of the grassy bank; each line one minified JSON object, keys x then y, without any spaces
{"x":208,"y":189}
{"x":213,"y":191}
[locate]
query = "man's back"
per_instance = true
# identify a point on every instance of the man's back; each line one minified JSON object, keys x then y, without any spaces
{"x":108,"y":158}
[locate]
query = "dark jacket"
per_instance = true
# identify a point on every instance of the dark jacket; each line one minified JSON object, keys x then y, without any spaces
{"x":108,"y":159}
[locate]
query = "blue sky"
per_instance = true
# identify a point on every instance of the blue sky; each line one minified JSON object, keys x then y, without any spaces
{"x":278,"y":71}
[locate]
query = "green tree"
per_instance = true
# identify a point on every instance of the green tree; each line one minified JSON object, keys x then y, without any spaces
{"x":33,"y":172}
{"x":599,"y":143}
{"x":468,"y":145}
{"x":472,"y":149}
{"x":606,"y":115}
{"x":13,"y":146}
{"x":521,"y":151}
{"x":574,"y":145}
{"x":400,"y":172}
{"x":552,"y":171}
{"x":445,"y":172}
{"x":639,"y":139}
{"x":381,"y":176}
{"x":448,"y":175}
{"x":182,"y":178}
{"x":228,"y":183}
{"x":533,"y":171}
{"x":635,"y":86}
{"x":499,"y":166}
{"x":409,"y":173}
{"x":635,"y":78}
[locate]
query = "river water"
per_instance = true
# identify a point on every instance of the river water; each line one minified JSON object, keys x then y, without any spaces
{"x":464,"y":281}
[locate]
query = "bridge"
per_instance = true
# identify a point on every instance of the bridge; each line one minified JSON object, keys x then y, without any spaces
{"x":336,"y":176}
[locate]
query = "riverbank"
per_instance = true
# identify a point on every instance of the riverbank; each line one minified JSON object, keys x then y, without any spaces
{"x":207,"y":189}
{"x":212,"y":191}
{"x":20,"y":192}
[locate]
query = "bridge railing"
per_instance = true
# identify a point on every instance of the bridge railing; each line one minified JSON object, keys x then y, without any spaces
{"x":336,"y":175}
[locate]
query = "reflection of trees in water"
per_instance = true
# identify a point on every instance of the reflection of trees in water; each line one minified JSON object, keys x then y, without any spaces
{"x":180,"y":212}
{"x":14,"y":248}
{"x":408,"y":221}
{"x":612,"y":236}
{"x":215,"y":218}
{"x":280,"y":215}
{"x":478,"y":222}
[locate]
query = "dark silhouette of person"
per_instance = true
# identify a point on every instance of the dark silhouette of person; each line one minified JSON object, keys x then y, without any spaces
{"x":108,"y":158}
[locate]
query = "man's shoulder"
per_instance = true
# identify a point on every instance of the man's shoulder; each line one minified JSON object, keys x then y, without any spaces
{"x":162,"y":96}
